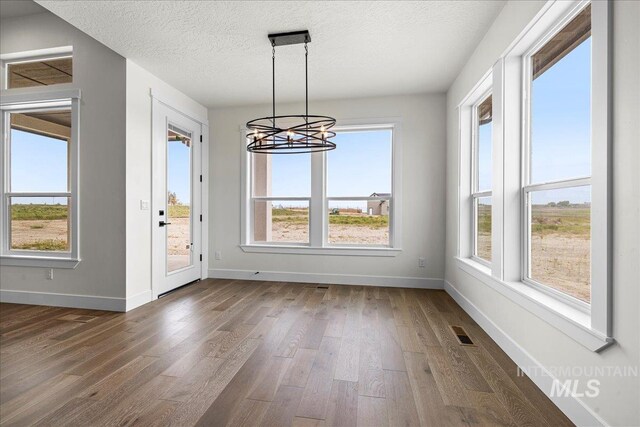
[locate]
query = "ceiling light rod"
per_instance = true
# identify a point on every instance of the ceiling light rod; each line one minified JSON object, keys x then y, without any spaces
{"x":290,"y":134}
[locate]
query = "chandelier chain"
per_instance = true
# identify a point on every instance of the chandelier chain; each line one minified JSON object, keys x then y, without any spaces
{"x":306,"y":78}
{"x":273,"y":80}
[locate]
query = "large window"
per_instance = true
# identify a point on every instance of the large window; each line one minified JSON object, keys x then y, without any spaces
{"x":359,"y":188}
{"x":557,"y":187}
{"x":340,"y":199}
{"x":39,"y":206}
{"x":534,"y":179}
{"x":481,"y":175}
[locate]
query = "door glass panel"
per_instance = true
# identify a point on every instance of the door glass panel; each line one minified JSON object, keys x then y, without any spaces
{"x":179,"y":231}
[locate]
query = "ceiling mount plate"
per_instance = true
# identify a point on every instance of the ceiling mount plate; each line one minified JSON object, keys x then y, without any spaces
{"x":294,"y":37}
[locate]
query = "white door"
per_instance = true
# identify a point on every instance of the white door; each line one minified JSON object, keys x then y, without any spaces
{"x":176,"y":200}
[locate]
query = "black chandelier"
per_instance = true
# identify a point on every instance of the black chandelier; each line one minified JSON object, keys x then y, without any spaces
{"x":291,"y":134}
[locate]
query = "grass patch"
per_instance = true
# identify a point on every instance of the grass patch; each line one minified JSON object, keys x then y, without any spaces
{"x":372,"y":221}
{"x":301,"y":216}
{"x":484,"y":219}
{"x":179,"y":211}
{"x":561,"y":221}
{"x":42,"y":245}
{"x":39,"y":212}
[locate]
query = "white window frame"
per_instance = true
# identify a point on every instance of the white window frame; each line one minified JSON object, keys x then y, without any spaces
{"x":32,"y":56}
{"x":318,"y":202}
{"x":16,"y":100}
{"x":476,"y":192}
{"x":590,"y":325}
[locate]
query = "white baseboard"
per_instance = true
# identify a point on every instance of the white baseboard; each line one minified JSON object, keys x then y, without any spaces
{"x":139,"y":299}
{"x":337,"y":279}
{"x":63,"y":300}
{"x":571,"y":406}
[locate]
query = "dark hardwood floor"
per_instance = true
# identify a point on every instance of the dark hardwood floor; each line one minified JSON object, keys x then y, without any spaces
{"x":223,"y":352}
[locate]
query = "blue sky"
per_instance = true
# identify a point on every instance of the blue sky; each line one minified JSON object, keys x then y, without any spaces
{"x":178,"y":171}
{"x":560,"y":128}
{"x":361,"y":163}
{"x":348,"y":174}
{"x":39,"y":165}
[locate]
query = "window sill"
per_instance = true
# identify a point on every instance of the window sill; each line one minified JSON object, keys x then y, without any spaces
{"x":43,"y":262}
{"x":564,"y":317}
{"x":306,"y":250}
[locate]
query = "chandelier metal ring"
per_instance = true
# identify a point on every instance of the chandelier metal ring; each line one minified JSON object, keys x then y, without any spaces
{"x":291,"y":134}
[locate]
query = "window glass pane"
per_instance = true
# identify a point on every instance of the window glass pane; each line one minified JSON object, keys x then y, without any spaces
{"x":39,"y":223}
{"x":360,"y":165}
{"x":561,"y":240}
{"x":560,"y":105}
{"x":179,"y":236}
{"x":485,"y":127}
{"x":281,"y":175}
{"x":281,"y":221}
{"x":40,"y":73}
{"x":39,"y":151}
{"x":483,"y":228}
{"x":359,"y":222}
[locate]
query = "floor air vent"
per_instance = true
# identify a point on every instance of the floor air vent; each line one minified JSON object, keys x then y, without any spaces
{"x":322,"y":287}
{"x":462,"y":336}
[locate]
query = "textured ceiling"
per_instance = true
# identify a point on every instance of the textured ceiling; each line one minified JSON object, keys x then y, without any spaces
{"x":15,"y":8}
{"x":218,"y":53}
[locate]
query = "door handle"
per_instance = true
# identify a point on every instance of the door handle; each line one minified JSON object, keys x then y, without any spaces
{"x":162,"y":223}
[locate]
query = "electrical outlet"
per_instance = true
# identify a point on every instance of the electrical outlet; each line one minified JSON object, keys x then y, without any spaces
{"x":422,"y":262}
{"x":144,"y":205}
{"x":50,"y":274}
{"x":218,"y":255}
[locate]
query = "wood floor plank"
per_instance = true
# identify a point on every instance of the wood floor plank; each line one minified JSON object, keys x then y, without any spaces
{"x":451,"y":389}
{"x":372,"y":411}
{"x":283,"y":407}
{"x":250,"y":413}
{"x":516,"y":403}
{"x":317,"y":391}
{"x":370,"y":373}
{"x":401,"y":408}
{"x":428,"y":400}
{"x":300,"y":368}
{"x":269,"y":380}
{"x":231,"y":352}
{"x":348,"y":363}
{"x":343,"y":404}
{"x":390,"y":348}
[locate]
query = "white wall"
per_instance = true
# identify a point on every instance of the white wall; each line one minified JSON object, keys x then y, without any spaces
{"x":140,"y":83}
{"x":423,"y":170}
{"x":100,"y":74}
{"x":617,"y":403}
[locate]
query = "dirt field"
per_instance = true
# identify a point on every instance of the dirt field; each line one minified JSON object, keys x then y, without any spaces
{"x":50,"y":235}
{"x":350,"y":226}
{"x":338,"y":233}
{"x":560,"y":247}
{"x":560,"y":244}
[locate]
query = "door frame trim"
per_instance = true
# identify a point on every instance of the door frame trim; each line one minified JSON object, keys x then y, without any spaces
{"x":167,"y":100}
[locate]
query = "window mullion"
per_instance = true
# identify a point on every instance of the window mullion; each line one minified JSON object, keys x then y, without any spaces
{"x":317,"y":203}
